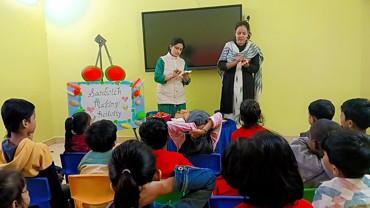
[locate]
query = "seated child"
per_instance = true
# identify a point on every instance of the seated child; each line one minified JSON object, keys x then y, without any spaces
{"x":264,"y":171}
{"x":101,"y":137}
{"x":319,"y":109}
{"x":13,"y":190}
{"x":154,"y":133}
{"x":19,"y":152}
{"x":356,"y":114}
{"x":75,"y":127}
{"x":133,"y":173}
{"x":308,"y":153}
{"x":250,"y":118}
{"x":198,"y":135}
{"x":347,"y":156}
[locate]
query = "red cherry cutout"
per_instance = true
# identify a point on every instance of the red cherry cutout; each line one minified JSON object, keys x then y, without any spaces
{"x":115,"y":73}
{"x":92,"y":73}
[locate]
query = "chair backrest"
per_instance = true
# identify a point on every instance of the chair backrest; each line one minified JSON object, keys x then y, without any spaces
{"x":39,"y":191}
{"x":225,"y":201}
{"x":70,"y":162}
{"x":211,"y":161}
{"x":309,"y":193}
{"x":91,"y":189}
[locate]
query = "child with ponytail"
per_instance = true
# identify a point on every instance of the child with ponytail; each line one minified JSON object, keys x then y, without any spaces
{"x":250,"y":118}
{"x":134,"y":178}
{"x":75,"y":127}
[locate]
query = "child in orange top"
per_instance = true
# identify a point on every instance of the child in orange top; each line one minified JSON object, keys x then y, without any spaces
{"x":250,"y":118}
{"x":154,"y":133}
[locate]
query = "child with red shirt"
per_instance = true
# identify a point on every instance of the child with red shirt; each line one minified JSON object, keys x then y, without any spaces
{"x":264,"y":170}
{"x":250,"y":118}
{"x":154,"y":132}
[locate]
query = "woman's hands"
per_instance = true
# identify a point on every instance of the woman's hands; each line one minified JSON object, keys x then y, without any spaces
{"x":244,"y":62}
{"x":176,"y":73}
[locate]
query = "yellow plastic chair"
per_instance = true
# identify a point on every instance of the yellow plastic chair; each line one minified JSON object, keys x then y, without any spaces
{"x":91,"y":190}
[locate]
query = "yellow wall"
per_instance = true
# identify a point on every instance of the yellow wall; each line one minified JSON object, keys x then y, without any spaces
{"x":313,"y":49}
{"x":24,"y":68}
{"x":366,"y":50}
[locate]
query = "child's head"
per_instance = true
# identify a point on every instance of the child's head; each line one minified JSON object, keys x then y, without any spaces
{"x":154,"y":133}
{"x":76,"y":124}
{"x":355,"y":114}
{"x":320,"y":108}
{"x":347,"y":153}
{"x":250,"y":113}
{"x":131,"y":166}
{"x":13,"y":189}
{"x":101,"y":136}
{"x":264,"y":169}
{"x":318,"y":132}
{"x":18,"y":116}
{"x":199,"y":117}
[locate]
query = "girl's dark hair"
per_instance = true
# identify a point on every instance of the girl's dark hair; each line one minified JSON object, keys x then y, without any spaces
{"x":14,"y":111}
{"x":11,"y":187}
{"x":177,"y":41}
{"x":250,"y":113}
{"x":246,"y":24}
{"x":349,"y":151}
{"x":264,"y":169}
{"x":76,"y":124}
{"x":132,"y":165}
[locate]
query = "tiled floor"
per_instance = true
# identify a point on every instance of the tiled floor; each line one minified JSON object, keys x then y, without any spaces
{"x":56,"y":150}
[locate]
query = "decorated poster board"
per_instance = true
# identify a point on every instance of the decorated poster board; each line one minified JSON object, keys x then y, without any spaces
{"x":121,"y":102}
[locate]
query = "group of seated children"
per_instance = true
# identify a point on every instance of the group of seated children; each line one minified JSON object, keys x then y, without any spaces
{"x":258,"y":164}
{"x":19,"y":152}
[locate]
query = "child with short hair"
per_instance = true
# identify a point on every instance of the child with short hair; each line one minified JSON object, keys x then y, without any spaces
{"x":264,"y":171}
{"x":154,"y":133}
{"x":250,"y":118}
{"x":19,"y":152}
{"x":356,"y":114}
{"x":347,"y":156}
{"x":75,"y":127}
{"x":101,"y":137}
{"x":13,"y":190}
{"x":308,"y":153}
{"x":318,"y":109}
{"x":133,"y":176}
{"x":198,"y":135}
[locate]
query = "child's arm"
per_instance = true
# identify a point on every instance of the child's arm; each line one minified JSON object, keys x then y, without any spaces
{"x":176,"y":131}
{"x":154,"y":189}
{"x":214,"y":124}
{"x":196,"y":183}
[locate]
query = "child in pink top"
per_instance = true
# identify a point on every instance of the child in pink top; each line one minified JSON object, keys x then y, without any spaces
{"x":198,"y":135}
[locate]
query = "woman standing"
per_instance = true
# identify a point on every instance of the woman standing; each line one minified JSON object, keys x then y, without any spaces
{"x":240,"y":69}
{"x":171,"y":76}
